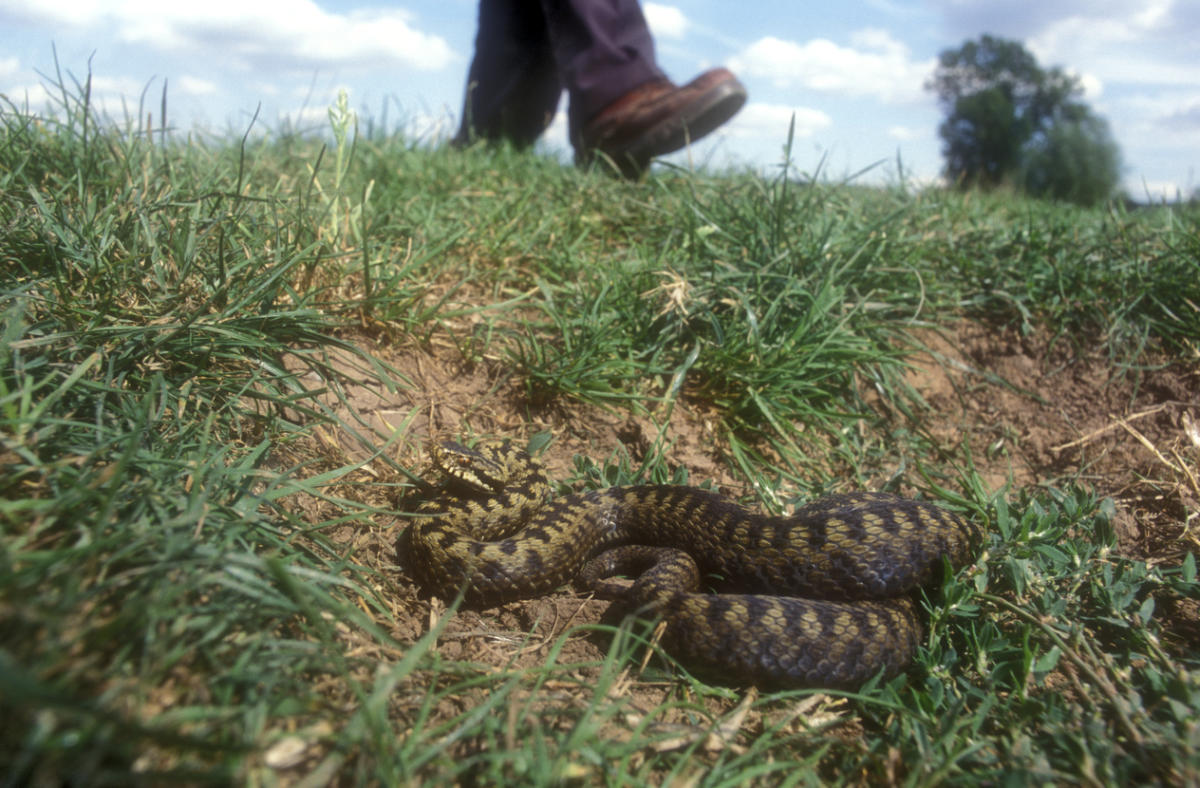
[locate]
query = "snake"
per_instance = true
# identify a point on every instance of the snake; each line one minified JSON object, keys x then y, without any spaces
{"x":822,"y":597}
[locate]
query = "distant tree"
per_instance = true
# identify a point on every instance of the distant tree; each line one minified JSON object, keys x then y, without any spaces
{"x":1010,"y":121}
{"x":1075,"y":160}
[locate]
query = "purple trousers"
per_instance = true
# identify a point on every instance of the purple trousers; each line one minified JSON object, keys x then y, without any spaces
{"x":528,"y":51}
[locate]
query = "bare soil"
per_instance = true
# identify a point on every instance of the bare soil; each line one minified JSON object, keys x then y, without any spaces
{"x":1031,"y":410}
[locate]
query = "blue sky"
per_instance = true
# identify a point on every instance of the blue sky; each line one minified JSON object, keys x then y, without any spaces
{"x":851,"y":73}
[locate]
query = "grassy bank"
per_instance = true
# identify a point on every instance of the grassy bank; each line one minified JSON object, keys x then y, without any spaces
{"x":179,"y":598}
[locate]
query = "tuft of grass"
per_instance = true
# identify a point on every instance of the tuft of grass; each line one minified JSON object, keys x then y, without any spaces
{"x":146,"y":309}
{"x":174,"y":604}
{"x":1124,"y":277}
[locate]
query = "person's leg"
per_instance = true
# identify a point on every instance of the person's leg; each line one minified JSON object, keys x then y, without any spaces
{"x":603,"y":49}
{"x":621,"y":103}
{"x":513,"y":84}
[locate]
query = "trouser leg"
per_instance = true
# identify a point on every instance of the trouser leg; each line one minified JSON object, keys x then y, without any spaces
{"x":603,"y":49}
{"x":513,"y":84}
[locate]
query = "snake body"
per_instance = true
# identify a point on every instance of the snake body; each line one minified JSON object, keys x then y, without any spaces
{"x":818,"y":597}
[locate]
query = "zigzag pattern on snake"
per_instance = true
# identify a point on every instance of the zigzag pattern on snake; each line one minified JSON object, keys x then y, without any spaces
{"x":821,"y":595}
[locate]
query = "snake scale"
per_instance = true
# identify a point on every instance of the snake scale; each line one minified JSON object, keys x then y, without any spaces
{"x":816,"y":598}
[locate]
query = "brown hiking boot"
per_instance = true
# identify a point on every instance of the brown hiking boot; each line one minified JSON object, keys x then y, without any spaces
{"x":659,"y":118}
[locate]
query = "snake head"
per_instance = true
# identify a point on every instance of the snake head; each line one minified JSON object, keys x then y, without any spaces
{"x":471,"y":467}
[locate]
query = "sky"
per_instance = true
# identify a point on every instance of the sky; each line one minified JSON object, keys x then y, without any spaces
{"x":850,"y":74}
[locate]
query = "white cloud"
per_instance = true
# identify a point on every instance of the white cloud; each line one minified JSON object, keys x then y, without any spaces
{"x":116,"y":98}
{"x":1122,"y":41}
{"x":665,"y":21}
{"x":1156,"y":191}
{"x":1165,"y":121}
{"x":1000,"y":17}
{"x":117,"y":86}
{"x":1063,"y":39}
{"x":289,"y":33}
{"x":772,"y":120}
{"x":1093,"y":88}
{"x":65,"y":13}
{"x":33,"y":97}
{"x":308,"y":118}
{"x":1151,"y":13}
{"x":197,"y":86}
{"x":902,"y":133}
{"x":8,"y":67}
{"x":1185,"y":116}
{"x":877,"y":65}
{"x":1119,"y":42}
{"x":881,"y":40}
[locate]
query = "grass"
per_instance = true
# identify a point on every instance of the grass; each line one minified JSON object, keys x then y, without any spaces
{"x":169,"y":612}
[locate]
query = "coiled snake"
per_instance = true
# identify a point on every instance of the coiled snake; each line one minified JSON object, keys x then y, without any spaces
{"x":822,"y":594}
